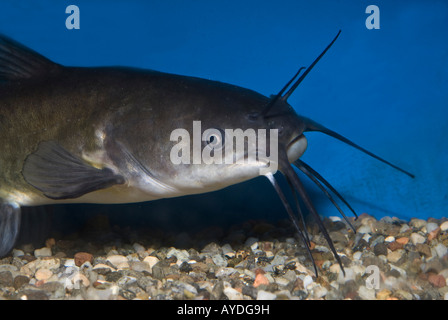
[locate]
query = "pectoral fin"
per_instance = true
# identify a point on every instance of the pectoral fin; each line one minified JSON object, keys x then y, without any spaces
{"x":58,"y":174}
{"x":9,"y":226}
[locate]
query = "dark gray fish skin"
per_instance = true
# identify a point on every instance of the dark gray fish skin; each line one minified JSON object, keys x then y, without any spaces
{"x":102,"y":135}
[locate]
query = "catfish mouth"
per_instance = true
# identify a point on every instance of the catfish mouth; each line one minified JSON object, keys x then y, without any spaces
{"x":296,"y":147}
{"x":300,"y":136}
{"x":289,"y":156}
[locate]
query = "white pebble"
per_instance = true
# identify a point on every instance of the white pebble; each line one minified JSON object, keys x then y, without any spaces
{"x":319,"y":292}
{"x":117,"y":259}
{"x":441,"y":250}
{"x":227,"y":248}
{"x":181,"y":255}
{"x":231,"y":293}
{"x":357,"y":255}
{"x":79,"y":278}
{"x":138,"y":247}
{"x":42,"y":252}
{"x":123,"y":266}
{"x":390,"y":239}
{"x":69,"y":263}
{"x":190,"y":288}
{"x":367,"y":237}
{"x":431,"y":226}
{"x":103,"y":266}
{"x":151,"y":261}
{"x":335,"y":268}
{"x":219,"y":261}
{"x":444,"y":226}
{"x":349,"y":275}
{"x":404,"y":228}
{"x":365,"y":293}
{"x":364,"y":229}
{"x":417,"y":238}
{"x":17,"y":253}
{"x":264,"y":295}
{"x":307,"y":281}
{"x":252,"y":243}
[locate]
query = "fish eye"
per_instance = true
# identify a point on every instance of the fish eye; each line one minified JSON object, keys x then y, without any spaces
{"x":214,"y":138}
{"x":252,"y":116}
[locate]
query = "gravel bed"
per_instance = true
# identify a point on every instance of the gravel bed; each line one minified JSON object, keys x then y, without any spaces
{"x":387,"y":259}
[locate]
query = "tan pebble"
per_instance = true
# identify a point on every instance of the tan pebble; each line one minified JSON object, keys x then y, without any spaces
{"x":142,"y":296}
{"x":269,"y":254}
{"x":417,"y":238}
{"x":437,"y":280}
{"x":188,"y":294}
{"x":260,"y":278}
{"x":433,"y":234}
{"x":394,"y":256}
{"x":444,"y":226}
{"x":123,"y":266}
{"x":42,"y":252}
{"x":335,"y":268}
{"x":50,"y":243}
{"x":80,"y":278}
{"x":103,"y":266}
{"x":395,"y":245}
{"x":116,"y":259}
{"x":402,"y":240}
{"x":383,"y":294}
{"x":43,"y":274}
{"x":82,"y":257}
{"x":151,"y":260}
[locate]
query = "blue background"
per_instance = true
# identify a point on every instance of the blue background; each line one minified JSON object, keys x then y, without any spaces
{"x":385,"y":89}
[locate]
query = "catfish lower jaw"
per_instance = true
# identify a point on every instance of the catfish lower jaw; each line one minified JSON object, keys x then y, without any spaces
{"x":296,"y":148}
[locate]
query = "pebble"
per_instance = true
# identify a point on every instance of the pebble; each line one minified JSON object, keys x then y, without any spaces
{"x":437,"y":280}
{"x":43,"y":274}
{"x":260,"y":278}
{"x":395,"y":256}
{"x":383,"y":294}
{"x":265,"y":295}
{"x":366,"y":294}
{"x":431,"y":226}
{"x":441,"y":250}
{"x":6,"y":279}
{"x":82,"y":257}
{"x":117,"y":259}
{"x":417,"y":223}
{"x":444,"y":226}
{"x":307,"y":281}
{"x":151,"y":261}
{"x":410,"y":256}
{"x":138,"y":247}
{"x":231,"y":293}
{"x":42,"y":252}
{"x":403,"y":240}
{"x":417,"y":238}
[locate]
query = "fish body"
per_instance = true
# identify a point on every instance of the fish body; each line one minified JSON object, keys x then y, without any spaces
{"x":121,"y":135}
{"x":106,"y":115}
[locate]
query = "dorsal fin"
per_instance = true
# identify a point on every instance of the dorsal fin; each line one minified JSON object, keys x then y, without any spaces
{"x":19,"y":62}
